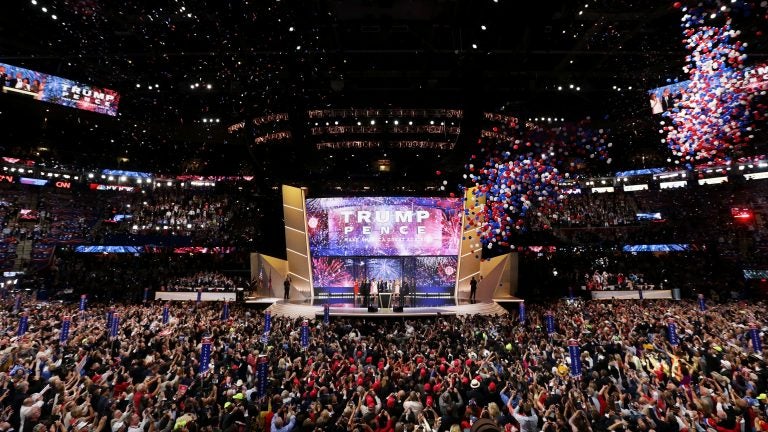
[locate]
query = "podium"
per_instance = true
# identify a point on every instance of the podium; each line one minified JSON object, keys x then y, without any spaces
{"x":385,"y":300}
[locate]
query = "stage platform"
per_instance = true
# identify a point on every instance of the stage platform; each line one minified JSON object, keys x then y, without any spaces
{"x":631,"y":295}
{"x":344,"y":307}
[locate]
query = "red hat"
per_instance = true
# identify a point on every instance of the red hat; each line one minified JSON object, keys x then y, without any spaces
{"x":456,"y":363}
{"x":427,"y":388}
{"x":353,"y":368}
{"x":468,"y":362}
{"x":492,"y":386}
{"x":370,"y":401}
{"x":369,"y":359}
{"x":429,"y":401}
{"x":442,"y":369}
{"x":465,"y":425}
{"x":436,"y":388}
{"x":464,"y":380}
{"x":359,"y":354}
{"x":423,"y":372}
{"x":360,"y":381}
{"x":313,"y":393}
{"x":376,"y":386}
{"x":390,"y":402}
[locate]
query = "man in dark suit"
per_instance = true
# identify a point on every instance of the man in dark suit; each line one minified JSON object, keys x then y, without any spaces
{"x":473,"y":289}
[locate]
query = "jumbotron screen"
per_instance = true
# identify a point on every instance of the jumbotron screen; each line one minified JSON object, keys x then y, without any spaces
{"x":384,"y":226}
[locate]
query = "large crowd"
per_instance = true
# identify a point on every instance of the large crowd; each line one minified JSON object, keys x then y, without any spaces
{"x":450,"y":373}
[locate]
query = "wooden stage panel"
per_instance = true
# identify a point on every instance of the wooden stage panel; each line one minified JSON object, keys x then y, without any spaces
{"x":314,"y":309}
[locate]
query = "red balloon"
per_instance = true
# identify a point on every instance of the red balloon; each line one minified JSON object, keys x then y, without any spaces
{"x":677,"y":5}
{"x":437,"y":172}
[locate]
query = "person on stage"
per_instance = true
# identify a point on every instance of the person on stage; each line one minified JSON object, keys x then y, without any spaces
{"x":396,"y":293}
{"x":473,"y":289}
{"x":374,"y":292}
{"x":287,"y":287}
{"x":356,"y":290}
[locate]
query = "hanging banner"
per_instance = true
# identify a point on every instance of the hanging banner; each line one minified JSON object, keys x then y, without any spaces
{"x":261,"y":375}
{"x":205,"y":354}
{"x":267,"y":322}
{"x":326,"y":314}
{"x":549,"y":320}
{"x":64,"y":335}
{"x":83,"y":301}
{"x":574,"y":351}
{"x":754,"y":334}
{"x":702,"y":303}
{"x":672,"y":332}
{"x":522,"y":312}
{"x":166,"y":313}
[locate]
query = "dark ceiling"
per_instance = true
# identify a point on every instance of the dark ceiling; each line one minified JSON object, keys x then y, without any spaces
{"x":568,"y":59}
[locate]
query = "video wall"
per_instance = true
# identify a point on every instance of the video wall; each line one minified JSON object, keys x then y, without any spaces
{"x":58,"y":90}
{"x":403,"y":239}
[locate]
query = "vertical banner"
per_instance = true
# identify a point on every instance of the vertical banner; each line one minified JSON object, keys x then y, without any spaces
{"x":23,"y":324}
{"x":570,"y":293}
{"x":83,"y":301}
{"x":672,"y":332}
{"x":199,"y":296}
{"x":326,"y":314}
{"x":17,"y":304}
{"x":146,"y":295}
{"x":754,"y":334}
{"x":205,"y":354}
{"x":702,"y":303}
{"x":267,"y":322}
{"x":225,"y":311}
{"x":549,"y":320}
{"x":110,"y":316}
{"x":522,"y":312}
{"x":115,"y":325}
{"x":262,"y":368}
{"x":574,"y":350}
{"x":640,"y":293}
{"x":64,"y":335}
{"x":166,"y":313}
{"x":304,"y":334}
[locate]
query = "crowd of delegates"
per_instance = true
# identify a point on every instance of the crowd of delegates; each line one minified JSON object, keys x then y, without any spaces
{"x":469,"y":373}
{"x":598,"y":280}
{"x":207,"y":281}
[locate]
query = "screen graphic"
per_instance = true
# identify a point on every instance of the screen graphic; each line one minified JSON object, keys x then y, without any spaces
{"x":57,"y":90}
{"x":384,"y":226}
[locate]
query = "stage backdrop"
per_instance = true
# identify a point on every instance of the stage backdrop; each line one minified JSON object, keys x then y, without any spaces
{"x":413,"y":239}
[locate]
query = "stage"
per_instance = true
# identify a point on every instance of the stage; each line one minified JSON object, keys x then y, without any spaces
{"x":345,"y":307}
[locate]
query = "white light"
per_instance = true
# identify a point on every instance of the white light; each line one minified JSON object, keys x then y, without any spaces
{"x":290,"y":29}
{"x":482,"y":27}
{"x":45,"y":9}
{"x":713,"y":16}
{"x":218,"y":120}
{"x":168,"y":183}
{"x":205,"y":120}
{"x":209,"y":86}
{"x":122,"y":178}
{"x":474,"y":46}
{"x":559,"y":87}
{"x":111,"y":178}
{"x":138,"y":85}
{"x":192,"y":86}
{"x":431,"y":122}
{"x":298,"y":47}
{"x":373,"y":122}
{"x":34,"y":2}
{"x":410,"y":123}
{"x":396,"y":122}
{"x":570,"y":86}
{"x":359,"y":123}
{"x":90,"y":175}
{"x":54,"y":17}
{"x":578,"y":88}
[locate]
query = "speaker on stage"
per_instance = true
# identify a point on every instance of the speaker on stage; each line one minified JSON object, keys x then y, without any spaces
{"x":373,"y":308}
{"x":397,"y":309}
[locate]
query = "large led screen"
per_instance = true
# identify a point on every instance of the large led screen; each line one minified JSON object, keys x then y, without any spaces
{"x":384,"y":226}
{"x":61,"y":91}
{"x":436,"y":274}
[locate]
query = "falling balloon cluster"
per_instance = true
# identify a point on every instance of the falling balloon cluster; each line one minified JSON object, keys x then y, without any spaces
{"x":519,"y":174}
{"x":711,"y":122}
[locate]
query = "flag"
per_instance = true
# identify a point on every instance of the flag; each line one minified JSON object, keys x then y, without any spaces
{"x":23,"y":324}
{"x":205,"y":354}
{"x":261,"y":375}
{"x":304,"y":334}
{"x":115,"y":325}
{"x":672,"y":332}
{"x":64,"y":335}
{"x":549,"y":319}
{"x":754,"y":334}
{"x":574,"y":350}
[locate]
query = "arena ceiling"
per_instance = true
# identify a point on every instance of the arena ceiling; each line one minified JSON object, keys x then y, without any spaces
{"x":188,"y":69}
